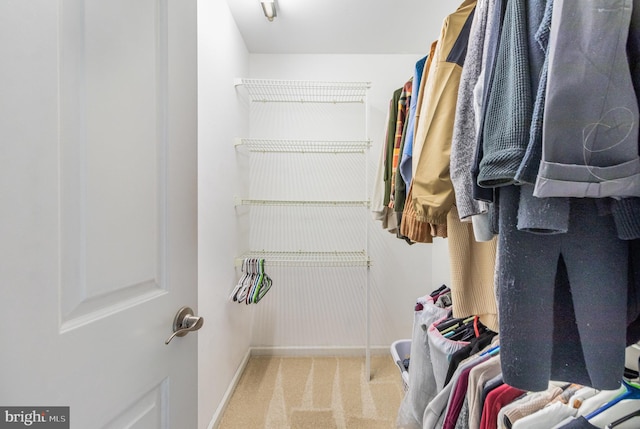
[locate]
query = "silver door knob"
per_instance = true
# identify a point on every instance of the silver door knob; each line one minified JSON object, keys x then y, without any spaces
{"x":185,"y":322}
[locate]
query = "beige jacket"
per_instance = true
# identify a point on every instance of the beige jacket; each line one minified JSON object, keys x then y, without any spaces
{"x":433,"y":193}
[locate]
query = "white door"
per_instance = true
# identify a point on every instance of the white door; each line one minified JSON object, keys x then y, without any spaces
{"x":98,"y":209}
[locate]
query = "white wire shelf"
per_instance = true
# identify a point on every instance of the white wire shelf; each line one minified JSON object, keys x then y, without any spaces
{"x":304,"y":146}
{"x":300,"y":91}
{"x":317,"y":203}
{"x":309,"y":259}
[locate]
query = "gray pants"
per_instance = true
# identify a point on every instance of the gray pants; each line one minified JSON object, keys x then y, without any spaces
{"x":563,"y":319}
{"x":590,"y":128}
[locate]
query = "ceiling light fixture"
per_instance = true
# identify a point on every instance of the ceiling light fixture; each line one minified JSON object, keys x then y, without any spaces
{"x":269,"y":9}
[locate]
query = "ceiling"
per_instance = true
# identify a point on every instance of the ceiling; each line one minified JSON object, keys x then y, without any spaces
{"x":341,"y":26}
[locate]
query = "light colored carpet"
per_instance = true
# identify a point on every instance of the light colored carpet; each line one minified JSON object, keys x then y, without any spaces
{"x":315,"y":393}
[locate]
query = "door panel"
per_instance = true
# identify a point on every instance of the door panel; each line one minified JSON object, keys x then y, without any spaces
{"x":98,"y":249}
{"x":146,"y":412}
{"x":113,"y":144}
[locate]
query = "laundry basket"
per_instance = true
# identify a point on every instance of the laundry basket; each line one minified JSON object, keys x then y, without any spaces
{"x":401,"y":350}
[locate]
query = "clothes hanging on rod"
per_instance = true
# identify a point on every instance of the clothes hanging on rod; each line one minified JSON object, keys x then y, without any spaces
{"x":477,"y":397}
{"x":439,"y":83}
{"x":566,"y":254}
{"x":439,"y":344}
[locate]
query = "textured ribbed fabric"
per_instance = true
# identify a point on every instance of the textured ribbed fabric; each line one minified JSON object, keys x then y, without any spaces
{"x":529,"y":404}
{"x":482,"y":90}
{"x":509,"y":110}
{"x":463,"y":141}
{"x":538,"y":215}
{"x":528,"y":170}
{"x":472,"y":267}
{"x":626,"y":212}
{"x":420,"y":232}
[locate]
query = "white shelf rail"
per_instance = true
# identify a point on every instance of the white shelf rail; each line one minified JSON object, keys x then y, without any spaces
{"x":319,"y":203}
{"x":358,"y":258}
{"x":288,"y":91}
{"x":304,"y":146}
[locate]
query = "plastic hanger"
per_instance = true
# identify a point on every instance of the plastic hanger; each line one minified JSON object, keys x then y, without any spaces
{"x":234,"y":294}
{"x":438,"y":291}
{"x":461,"y":325}
{"x":265,"y":288}
{"x":492,"y":351}
{"x":632,"y":391}
{"x":452,"y":324}
{"x":255,"y":281}
{"x":443,"y":326}
{"x":471,"y":329}
{"x":623,"y":419}
{"x":246,"y":284}
{"x":258,"y":282}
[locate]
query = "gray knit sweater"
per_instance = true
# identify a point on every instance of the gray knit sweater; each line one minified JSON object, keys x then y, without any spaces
{"x":509,"y":110}
{"x":463,"y":143}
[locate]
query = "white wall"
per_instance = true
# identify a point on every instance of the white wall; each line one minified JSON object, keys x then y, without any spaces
{"x":224,"y":340}
{"x":400,"y":272}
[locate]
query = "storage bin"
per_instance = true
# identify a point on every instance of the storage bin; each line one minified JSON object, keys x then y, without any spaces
{"x":401,"y":350}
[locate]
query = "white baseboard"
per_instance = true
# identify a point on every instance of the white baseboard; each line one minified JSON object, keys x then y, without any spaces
{"x":316,"y":351}
{"x":287,"y":351}
{"x":217,"y":416}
